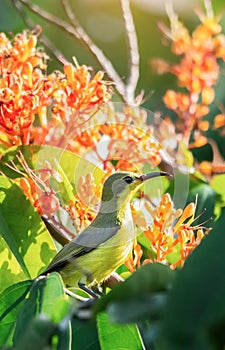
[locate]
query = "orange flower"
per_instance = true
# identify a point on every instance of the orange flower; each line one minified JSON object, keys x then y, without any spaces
{"x":209,"y":168}
{"x":199,"y":140}
{"x":79,"y":91}
{"x":22,"y":86}
{"x":22,"y":51}
{"x":29,"y":188}
{"x":219,"y":121}
{"x":176,"y":101}
{"x":197,"y":71}
{"x":20,"y":99}
{"x":134,"y":261}
{"x":88,"y":191}
{"x":207,"y":95}
{"x":171,"y":230}
{"x":84,"y":207}
{"x":36,"y":188}
{"x":115,"y":140}
{"x":26,"y":92}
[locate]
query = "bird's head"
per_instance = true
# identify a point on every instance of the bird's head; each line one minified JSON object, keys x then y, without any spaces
{"x":119,"y":188}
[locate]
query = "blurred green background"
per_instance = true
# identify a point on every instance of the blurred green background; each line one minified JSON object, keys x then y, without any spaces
{"x":103,"y":22}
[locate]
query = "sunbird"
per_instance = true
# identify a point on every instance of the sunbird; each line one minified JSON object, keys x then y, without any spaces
{"x":91,"y":257}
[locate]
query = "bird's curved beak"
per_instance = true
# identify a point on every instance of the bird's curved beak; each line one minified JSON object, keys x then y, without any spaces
{"x":148,"y":176}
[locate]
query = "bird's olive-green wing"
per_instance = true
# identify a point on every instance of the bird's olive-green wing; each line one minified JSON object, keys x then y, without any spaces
{"x":69,"y":252}
{"x":84,"y":243}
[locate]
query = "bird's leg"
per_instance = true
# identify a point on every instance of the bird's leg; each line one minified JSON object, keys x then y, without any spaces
{"x":83,"y":310}
{"x":75,"y":296}
{"x":87,"y":290}
{"x":98,"y":290}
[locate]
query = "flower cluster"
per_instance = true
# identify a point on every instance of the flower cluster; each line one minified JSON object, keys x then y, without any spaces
{"x":83,"y":208}
{"x":125,"y":137}
{"x":197,"y":71}
{"x":26,"y":90}
{"x":172,"y":235}
{"x":22,"y":86}
{"x":78,"y":91}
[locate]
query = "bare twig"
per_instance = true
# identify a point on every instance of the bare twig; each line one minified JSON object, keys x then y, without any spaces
{"x":217,"y":156}
{"x":131,"y":85}
{"x":133,"y":51}
{"x":43,"y":39}
{"x":77,"y":31}
{"x":69,"y":12}
{"x":58,"y":231}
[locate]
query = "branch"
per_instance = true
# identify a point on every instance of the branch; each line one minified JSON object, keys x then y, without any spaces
{"x":134,"y":56}
{"x":77,"y":31}
{"x":69,"y":13}
{"x":43,"y":39}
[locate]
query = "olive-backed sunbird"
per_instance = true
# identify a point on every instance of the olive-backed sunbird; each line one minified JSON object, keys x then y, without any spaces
{"x":102,"y":247}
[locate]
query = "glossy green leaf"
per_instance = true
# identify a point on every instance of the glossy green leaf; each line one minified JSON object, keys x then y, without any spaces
{"x":60,"y":308}
{"x":179,"y":189}
{"x":141,"y":297}
{"x":84,"y":334}
{"x":145,"y":308}
{"x":43,"y":295}
{"x":68,"y":165}
{"x":195,"y":313}
{"x":205,"y":201}
{"x":156,"y":185}
{"x":38,"y":334}
{"x":28,"y":152}
{"x":61,"y":314}
{"x":217,"y":184}
{"x":53,"y":290}
{"x":10,"y":303}
{"x":25,"y":245}
{"x":114,"y":336}
{"x":40,"y":307}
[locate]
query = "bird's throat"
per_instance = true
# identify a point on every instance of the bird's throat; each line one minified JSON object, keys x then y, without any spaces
{"x":111,"y":214}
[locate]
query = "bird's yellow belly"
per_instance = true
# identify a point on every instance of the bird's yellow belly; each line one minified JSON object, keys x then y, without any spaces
{"x":95,"y":266}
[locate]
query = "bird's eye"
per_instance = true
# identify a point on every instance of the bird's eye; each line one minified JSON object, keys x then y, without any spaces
{"x":128,"y":179}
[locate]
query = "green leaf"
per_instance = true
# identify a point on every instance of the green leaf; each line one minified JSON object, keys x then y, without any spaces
{"x":38,"y":334}
{"x":10,"y":303}
{"x":69,"y":166}
{"x":60,"y":308}
{"x":187,"y":157}
{"x":29,"y":153}
{"x":156,"y":185}
{"x":141,"y":297}
{"x":145,"y":308}
{"x":113,"y":336}
{"x":26,"y":245}
{"x":64,"y":331}
{"x":39,"y":310}
{"x":84,"y":334}
{"x":179,"y":189}
{"x":205,"y":200}
{"x":53,"y":290}
{"x":45,"y":291}
{"x":195,"y":313}
{"x":217,"y":184}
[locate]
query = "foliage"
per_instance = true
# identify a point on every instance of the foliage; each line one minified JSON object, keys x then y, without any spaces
{"x":61,"y":137}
